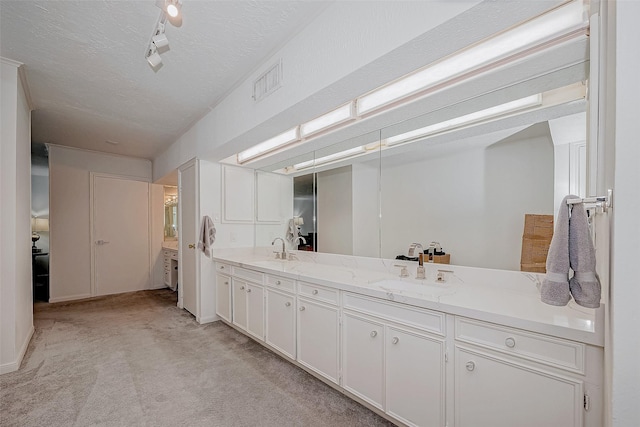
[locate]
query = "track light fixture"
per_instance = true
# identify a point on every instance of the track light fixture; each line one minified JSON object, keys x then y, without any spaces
{"x":159,"y":43}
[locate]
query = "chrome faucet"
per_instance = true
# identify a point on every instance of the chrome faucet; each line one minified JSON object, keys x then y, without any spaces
{"x":420,"y":272}
{"x":284,"y":252}
{"x":302,"y":239}
{"x":413,"y":247}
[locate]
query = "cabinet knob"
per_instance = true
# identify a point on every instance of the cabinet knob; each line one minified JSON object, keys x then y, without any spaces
{"x":248,"y":290}
{"x":287,"y":304}
{"x":226,"y":283}
{"x":510,"y":342}
{"x":277,"y":282}
{"x":315,"y":292}
{"x":395,"y":340}
{"x":222,"y":267}
{"x":470,"y":366}
{"x":302,"y":308}
{"x":374,"y":334}
{"x":242,"y":288}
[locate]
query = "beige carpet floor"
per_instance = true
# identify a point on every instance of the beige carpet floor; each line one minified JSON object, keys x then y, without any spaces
{"x":137,"y":360}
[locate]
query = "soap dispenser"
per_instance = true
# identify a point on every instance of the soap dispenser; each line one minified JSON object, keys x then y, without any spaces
{"x":420,"y":273}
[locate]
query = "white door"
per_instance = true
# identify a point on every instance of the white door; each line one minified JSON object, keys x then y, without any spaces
{"x":496,"y":392}
{"x":223,"y":296}
{"x":255,"y":310}
{"x":363,"y":358}
{"x":120,"y":235}
{"x":281,"y":322}
{"x":318,"y":338}
{"x":239,"y":298}
{"x":187,"y":233}
{"x":414,"y":378}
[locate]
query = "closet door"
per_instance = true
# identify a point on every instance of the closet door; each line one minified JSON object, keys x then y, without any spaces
{"x":120,"y":235}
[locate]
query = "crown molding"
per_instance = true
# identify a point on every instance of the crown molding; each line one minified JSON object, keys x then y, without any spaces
{"x":23,"y":79}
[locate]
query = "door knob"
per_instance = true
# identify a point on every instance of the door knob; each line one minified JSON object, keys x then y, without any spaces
{"x":192,"y":246}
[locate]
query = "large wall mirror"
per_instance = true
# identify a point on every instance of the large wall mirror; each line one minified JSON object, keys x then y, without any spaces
{"x":461,"y":167}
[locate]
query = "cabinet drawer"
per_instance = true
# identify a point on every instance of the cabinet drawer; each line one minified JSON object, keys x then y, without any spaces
{"x":281,"y":283}
{"x":243,"y":273}
{"x":167,"y":277}
{"x":167,"y":266}
{"x":223,"y":268}
{"x":318,"y":292}
{"x":166,"y":253}
{"x":551,"y":351}
{"x":174,"y":255}
{"x":420,"y":318}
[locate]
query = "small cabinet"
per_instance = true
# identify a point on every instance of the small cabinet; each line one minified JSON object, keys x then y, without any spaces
{"x":281,"y":321}
{"x":363,"y":358}
{"x":223,"y":296}
{"x":498,"y":391}
{"x":318,"y":332}
{"x":239,"y":299}
{"x":415,"y":377}
{"x":255,"y":310}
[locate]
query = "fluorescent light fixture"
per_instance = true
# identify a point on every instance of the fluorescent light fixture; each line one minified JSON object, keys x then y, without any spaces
{"x":564,"y":21}
{"x":332,"y":118}
{"x":269,"y":145}
{"x":330,"y":158}
{"x":468,"y":119}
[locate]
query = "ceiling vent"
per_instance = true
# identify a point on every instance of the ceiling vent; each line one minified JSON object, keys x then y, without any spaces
{"x":268,"y":82}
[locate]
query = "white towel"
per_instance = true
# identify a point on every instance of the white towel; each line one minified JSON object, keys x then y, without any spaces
{"x":555,"y":285}
{"x":292,"y":230}
{"x":207,"y":235}
{"x":585,"y":283}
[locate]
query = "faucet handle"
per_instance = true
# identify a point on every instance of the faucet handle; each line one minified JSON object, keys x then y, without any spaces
{"x":277,"y":254}
{"x":403,"y":271}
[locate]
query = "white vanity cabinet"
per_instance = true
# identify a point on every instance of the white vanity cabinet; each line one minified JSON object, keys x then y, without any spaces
{"x":506,"y":377}
{"x":394,"y":358}
{"x":318,"y":330}
{"x":239,"y":298}
{"x":170,"y":257}
{"x":280,"y":315}
{"x":223,"y":296}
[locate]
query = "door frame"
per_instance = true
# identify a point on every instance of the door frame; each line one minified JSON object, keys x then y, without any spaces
{"x":92,"y":177}
{"x":196,"y":164}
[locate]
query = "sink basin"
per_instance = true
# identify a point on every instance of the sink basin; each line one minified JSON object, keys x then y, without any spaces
{"x":400,"y":286}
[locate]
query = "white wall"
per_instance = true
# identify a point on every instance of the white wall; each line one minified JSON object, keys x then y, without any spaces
{"x":16,"y":313}
{"x":157,"y":236}
{"x":335,"y":211}
{"x":625,"y":292}
{"x":472,"y":202}
{"x":344,"y":38}
{"x":69,"y":222}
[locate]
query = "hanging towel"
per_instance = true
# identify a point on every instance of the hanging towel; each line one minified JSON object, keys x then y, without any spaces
{"x":292,"y":230}
{"x":555,"y":286}
{"x":585,"y":284}
{"x":207,"y":235}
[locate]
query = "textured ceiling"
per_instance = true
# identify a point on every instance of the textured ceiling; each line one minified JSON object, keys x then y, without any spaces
{"x":90,"y":82}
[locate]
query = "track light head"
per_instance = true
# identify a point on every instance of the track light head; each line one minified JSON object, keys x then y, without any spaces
{"x":173,"y":10}
{"x":154,"y":59}
{"x":161,"y":42}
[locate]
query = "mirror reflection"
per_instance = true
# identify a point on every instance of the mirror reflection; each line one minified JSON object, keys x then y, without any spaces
{"x":457,"y":181}
{"x":170,"y":213}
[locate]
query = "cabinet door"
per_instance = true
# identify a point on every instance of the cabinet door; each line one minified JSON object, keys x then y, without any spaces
{"x":239,"y":303}
{"x":255,"y":310}
{"x":280,"y":322}
{"x":415,"y":378}
{"x":223,"y":296}
{"x":318,"y":329}
{"x":362,"y":358}
{"x":494,"y":391}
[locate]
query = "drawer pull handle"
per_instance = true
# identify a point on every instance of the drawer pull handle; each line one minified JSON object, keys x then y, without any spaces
{"x":470,"y":366}
{"x":226,"y":283}
{"x":287,"y":304}
{"x":510,"y":342}
{"x":395,"y":340}
{"x":222,"y":267}
{"x":302,"y":308}
{"x":374,"y":334}
{"x":248,"y":290}
{"x":278,"y":282}
{"x":242,"y":288}
{"x":315,"y":292}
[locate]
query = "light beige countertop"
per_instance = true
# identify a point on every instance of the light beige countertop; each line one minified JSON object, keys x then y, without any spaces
{"x":509,"y":298}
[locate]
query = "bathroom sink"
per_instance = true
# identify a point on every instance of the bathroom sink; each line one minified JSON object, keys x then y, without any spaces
{"x":400,"y":286}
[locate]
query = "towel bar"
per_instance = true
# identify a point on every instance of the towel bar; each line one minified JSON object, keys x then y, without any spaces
{"x":604,"y":202}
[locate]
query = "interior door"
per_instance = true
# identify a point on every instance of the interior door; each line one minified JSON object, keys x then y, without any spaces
{"x":120,"y":235}
{"x":187,"y":232}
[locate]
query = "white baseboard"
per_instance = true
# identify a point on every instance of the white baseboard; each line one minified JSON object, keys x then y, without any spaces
{"x":208,"y":319}
{"x":5,"y":368}
{"x":70,"y":298}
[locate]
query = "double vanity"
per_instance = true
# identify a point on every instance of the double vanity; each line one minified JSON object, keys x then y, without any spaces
{"x":463,"y":347}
